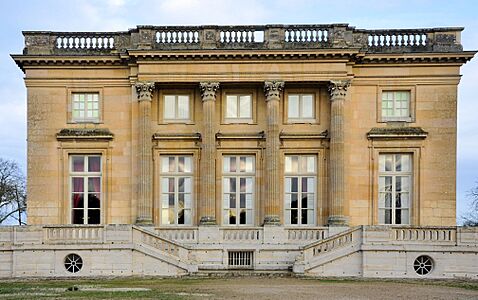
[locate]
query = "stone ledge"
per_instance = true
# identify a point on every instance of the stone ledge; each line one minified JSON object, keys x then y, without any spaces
{"x":85,"y":134}
{"x":397,"y":133}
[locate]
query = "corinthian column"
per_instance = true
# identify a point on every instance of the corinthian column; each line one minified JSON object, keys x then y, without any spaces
{"x":144,"y":91}
{"x":338,"y":92}
{"x":272,"y":91}
{"x":207,"y":203}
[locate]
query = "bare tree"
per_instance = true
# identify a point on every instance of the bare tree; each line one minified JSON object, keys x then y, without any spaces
{"x":471,"y":218}
{"x":13,"y":198}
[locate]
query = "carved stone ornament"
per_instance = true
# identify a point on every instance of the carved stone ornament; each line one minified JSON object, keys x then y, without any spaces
{"x":208,"y":90}
{"x":144,"y":90}
{"x":338,"y":89}
{"x":272,"y":89}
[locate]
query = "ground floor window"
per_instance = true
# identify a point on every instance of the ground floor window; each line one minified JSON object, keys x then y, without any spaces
{"x":176,"y":189}
{"x":85,"y":187}
{"x":300,"y":189}
{"x":238,"y":189}
{"x":394,"y":188}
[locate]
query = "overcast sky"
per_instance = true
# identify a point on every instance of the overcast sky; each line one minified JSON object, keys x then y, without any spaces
{"x":88,"y":15}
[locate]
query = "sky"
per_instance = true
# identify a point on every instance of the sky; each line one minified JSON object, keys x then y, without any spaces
{"x":116,"y":15}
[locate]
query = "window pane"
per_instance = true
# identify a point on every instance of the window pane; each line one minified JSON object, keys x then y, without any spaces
{"x":77,"y":201}
{"x":187,"y":164}
{"x":94,"y":164}
{"x":187,"y":200}
{"x":294,"y":218}
{"x":187,"y":185}
{"x":231,"y":107}
{"x":310,"y":164}
{"x":242,"y":164}
{"x":94,"y":184}
{"x":165,"y":216}
{"x":307,"y":106}
{"x":181,"y":216}
{"x":164,"y":164}
{"x":232,"y":164}
{"x":187,"y":217}
{"x":226,"y":185}
{"x":77,"y":216}
{"x":294,"y":200}
{"x":249,"y":164}
{"x":169,"y":107}
{"x":294,"y":184}
{"x":93,"y":200}
{"x":245,"y":107}
{"x":304,"y":217}
{"x":294,"y":164}
{"x":78,"y":184}
{"x":405,"y":216}
{"x":172,"y":163}
{"x":293,"y":106}
{"x":183,"y":107}
{"x":78,"y":163}
{"x":249,"y":201}
{"x":288,"y":164}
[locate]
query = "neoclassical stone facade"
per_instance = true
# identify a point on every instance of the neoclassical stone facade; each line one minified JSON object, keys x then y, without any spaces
{"x":271,"y":147}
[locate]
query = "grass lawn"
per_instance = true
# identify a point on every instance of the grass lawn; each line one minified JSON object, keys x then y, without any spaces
{"x":229,"y":287}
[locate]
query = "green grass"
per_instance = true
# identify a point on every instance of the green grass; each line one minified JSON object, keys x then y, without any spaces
{"x":161,"y":288}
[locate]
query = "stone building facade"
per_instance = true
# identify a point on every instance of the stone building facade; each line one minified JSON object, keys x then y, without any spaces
{"x":276,"y":147}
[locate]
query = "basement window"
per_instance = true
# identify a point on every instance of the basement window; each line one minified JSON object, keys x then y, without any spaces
{"x":241,"y":259}
{"x":73,"y":263}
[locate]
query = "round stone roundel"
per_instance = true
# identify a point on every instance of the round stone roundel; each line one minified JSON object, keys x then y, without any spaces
{"x":73,"y":263}
{"x":423,"y":265}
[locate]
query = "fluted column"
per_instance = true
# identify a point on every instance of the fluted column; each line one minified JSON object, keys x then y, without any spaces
{"x":272,"y":91}
{"x":144,"y":91}
{"x":338,"y":92}
{"x":207,"y":203}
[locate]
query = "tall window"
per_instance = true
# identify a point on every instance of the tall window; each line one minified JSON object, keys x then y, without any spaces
{"x":396,"y":105}
{"x":176,"y":108}
{"x":238,"y":190}
{"x":300,"y":107}
{"x":239,"y":108}
{"x":85,"y":107}
{"x":300,"y":189}
{"x":394,"y":184}
{"x":85,"y":187}
{"x":176,"y":190}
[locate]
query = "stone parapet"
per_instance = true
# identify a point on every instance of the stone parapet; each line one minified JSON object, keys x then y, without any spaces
{"x":311,"y":36}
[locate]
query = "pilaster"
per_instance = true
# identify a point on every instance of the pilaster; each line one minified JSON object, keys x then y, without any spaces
{"x":144,"y":91}
{"x":272,"y":91}
{"x":207,"y":203}
{"x":338,"y":93}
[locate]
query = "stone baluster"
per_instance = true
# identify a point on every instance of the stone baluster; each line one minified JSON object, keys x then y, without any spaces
{"x":338,"y":92}
{"x":144,"y":91}
{"x":207,"y":204}
{"x":272,"y":91}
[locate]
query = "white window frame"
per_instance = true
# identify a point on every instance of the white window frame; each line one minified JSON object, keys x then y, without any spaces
{"x":176,"y":175}
{"x":300,"y":174}
{"x":300,"y":118}
{"x":176,"y":117}
{"x":394,"y":175}
{"x":85,"y":175}
{"x":238,"y":118}
{"x":396,"y":105}
{"x":238,"y":175}
{"x":85,"y":109}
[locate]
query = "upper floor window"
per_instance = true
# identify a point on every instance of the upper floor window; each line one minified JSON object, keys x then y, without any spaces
{"x":85,"y":107}
{"x":394,"y":188}
{"x":85,"y":188}
{"x":238,"y":190}
{"x":301,"y":108}
{"x":396,"y":105}
{"x":300,"y":189}
{"x":238,"y":108}
{"x":176,"y":108}
{"x":176,"y":189}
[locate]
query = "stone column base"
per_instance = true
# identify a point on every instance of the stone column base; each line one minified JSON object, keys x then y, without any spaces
{"x":272,"y":220}
{"x":144,"y":222}
{"x":207,"y":220}
{"x":341,"y":221}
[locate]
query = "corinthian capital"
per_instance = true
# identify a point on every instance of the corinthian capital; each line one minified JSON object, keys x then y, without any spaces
{"x":338,"y":89}
{"x":208,"y":90}
{"x":144,"y":90}
{"x":272,"y":89}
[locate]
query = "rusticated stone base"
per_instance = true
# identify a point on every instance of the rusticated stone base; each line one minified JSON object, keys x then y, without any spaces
{"x":272,"y":220}
{"x":207,"y":220}
{"x":338,"y":221}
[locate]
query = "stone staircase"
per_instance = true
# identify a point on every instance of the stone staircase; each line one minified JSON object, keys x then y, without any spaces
{"x":328,"y":250}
